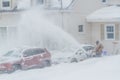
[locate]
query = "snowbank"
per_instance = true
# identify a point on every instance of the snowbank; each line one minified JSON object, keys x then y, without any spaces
{"x":105,"y":68}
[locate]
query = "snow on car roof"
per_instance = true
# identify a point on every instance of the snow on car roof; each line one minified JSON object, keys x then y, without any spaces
{"x":82,"y":47}
{"x":86,"y":45}
{"x":19,"y":49}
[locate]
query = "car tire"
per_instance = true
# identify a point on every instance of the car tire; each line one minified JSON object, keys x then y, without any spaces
{"x":47,"y":63}
{"x":74,"y":60}
{"x":17,"y":66}
{"x":14,"y":68}
{"x":41,"y":65}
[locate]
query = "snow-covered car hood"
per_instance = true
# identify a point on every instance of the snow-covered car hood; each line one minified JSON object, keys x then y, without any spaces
{"x":8,"y":59}
{"x":58,"y":57}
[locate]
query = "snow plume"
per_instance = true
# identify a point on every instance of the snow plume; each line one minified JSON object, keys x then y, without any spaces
{"x":61,"y":3}
{"x":23,"y":4}
{"x":26,"y":4}
{"x":36,"y":30}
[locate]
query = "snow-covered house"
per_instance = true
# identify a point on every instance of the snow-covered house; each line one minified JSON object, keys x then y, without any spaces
{"x":91,"y":20}
{"x":103,"y":23}
{"x":86,"y":20}
{"x":8,"y":20}
{"x":105,"y":26}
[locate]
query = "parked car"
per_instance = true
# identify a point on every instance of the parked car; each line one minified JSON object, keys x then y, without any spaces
{"x":82,"y":53}
{"x":24,"y":59}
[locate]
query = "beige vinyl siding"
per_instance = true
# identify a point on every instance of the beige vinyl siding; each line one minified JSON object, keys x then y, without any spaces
{"x":116,"y":31}
{"x":102,"y":32}
{"x":11,"y":3}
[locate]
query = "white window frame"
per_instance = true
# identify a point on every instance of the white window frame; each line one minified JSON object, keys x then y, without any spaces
{"x":105,"y":28}
{"x":3,"y":33}
{"x":5,"y":8}
{"x":104,"y":3}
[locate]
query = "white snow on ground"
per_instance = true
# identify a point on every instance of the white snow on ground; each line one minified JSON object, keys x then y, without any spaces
{"x":110,"y":13}
{"x":105,"y":68}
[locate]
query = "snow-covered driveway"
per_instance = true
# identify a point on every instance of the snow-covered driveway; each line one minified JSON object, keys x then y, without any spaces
{"x":105,"y":68}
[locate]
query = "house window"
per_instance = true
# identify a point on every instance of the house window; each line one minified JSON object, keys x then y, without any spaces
{"x":104,"y":1}
{"x":40,"y":1}
{"x":6,"y":5}
{"x":8,"y":33}
{"x":3,"y":33}
{"x":80,"y":28}
{"x":110,"y":32}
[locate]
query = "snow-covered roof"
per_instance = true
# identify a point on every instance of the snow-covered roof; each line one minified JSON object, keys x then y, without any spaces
{"x":107,"y":14}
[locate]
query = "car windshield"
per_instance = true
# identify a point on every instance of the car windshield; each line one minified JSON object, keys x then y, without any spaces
{"x":33,"y":51}
{"x":12,"y":53}
{"x":88,"y":48}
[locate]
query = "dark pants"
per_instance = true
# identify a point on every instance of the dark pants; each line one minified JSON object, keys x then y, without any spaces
{"x":98,"y":54}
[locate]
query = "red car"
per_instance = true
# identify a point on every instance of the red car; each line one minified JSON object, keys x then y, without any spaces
{"x":24,"y":59}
